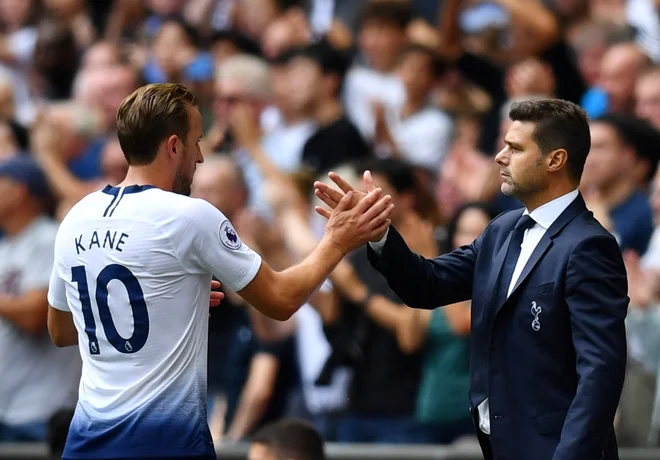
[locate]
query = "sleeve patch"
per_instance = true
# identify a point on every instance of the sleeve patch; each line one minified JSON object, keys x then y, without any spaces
{"x":229,"y":237}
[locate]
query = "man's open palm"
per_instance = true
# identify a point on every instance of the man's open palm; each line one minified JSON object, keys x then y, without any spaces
{"x":332,"y":197}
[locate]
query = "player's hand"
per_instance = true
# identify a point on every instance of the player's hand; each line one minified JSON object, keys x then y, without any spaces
{"x":356,"y":217}
{"x":216,"y":296}
{"x":332,"y":197}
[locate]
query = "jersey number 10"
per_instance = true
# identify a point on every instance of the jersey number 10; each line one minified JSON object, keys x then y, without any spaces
{"x":112,"y":272}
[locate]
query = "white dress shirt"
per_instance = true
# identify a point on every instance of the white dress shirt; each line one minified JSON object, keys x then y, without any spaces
{"x":544,"y":216}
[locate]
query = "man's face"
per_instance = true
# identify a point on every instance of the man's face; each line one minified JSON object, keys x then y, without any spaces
{"x":216,"y":182}
{"x":647,"y":98}
{"x":604,"y":163}
{"x":521,"y":165}
{"x":13,"y":196}
{"x":228,"y":93}
{"x":262,"y":452}
{"x":306,"y":75}
{"x":618,"y":74}
{"x":416,"y":73}
{"x":381,"y":43}
{"x":190,"y":154}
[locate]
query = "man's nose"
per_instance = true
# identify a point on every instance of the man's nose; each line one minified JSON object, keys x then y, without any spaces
{"x":502,"y":158}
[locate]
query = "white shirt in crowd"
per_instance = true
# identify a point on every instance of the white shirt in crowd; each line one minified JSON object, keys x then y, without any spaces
{"x":362,"y":87}
{"x":133,"y":265}
{"x":423,"y":137}
{"x":37,"y":377}
{"x":544,"y":216}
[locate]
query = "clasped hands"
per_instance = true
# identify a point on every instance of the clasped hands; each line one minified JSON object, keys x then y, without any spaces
{"x":355,"y":217}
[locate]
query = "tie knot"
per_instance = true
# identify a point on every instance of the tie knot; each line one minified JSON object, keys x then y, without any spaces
{"x":525,"y":223}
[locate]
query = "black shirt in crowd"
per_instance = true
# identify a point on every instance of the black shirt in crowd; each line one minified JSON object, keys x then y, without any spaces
{"x":332,"y":145}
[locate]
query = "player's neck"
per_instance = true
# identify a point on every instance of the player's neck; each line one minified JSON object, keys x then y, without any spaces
{"x":146,"y":175}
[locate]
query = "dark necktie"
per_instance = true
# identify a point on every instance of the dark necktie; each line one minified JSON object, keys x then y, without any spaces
{"x":512,"y":254}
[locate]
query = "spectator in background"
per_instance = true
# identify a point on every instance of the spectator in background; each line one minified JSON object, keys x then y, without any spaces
{"x":610,"y":173}
{"x":176,"y":55}
{"x":321,"y":68}
{"x":384,"y":387}
{"x":620,"y":67}
{"x":251,"y":358}
{"x":382,"y":37}
{"x":55,"y":61}
{"x":417,"y":132}
{"x":37,"y":377}
{"x":289,"y":439}
{"x":647,"y":96}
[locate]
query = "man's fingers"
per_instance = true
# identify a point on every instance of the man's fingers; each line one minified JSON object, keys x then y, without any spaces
{"x":368,"y":201}
{"x":329,"y":191}
{"x":322,"y":211}
{"x":341,"y":183}
{"x":380,"y":229}
{"x":326,"y":199}
{"x":345,"y":202}
{"x":215,"y":284}
{"x":378,"y":207}
{"x":384,"y":216}
{"x":368,"y":181}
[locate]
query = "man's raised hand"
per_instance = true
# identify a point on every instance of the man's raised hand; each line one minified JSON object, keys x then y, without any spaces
{"x":355,"y":217}
{"x":331,"y":197}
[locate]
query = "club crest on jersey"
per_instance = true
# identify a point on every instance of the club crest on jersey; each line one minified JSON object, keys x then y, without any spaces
{"x":228,"y":236}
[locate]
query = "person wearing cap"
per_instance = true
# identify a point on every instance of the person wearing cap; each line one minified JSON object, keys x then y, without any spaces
{"x":37,"y":377}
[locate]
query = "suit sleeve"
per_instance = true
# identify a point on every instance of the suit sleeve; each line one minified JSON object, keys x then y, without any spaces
{"x":426,"y":283}
{"x":596,"y":294}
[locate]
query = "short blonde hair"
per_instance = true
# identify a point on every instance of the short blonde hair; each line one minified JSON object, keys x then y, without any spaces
{"x":150,"y":115}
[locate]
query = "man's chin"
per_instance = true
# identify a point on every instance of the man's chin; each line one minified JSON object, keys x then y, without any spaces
{"x":507,"y":189}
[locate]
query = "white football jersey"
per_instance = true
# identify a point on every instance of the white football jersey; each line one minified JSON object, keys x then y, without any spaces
{"x":134,"y":267}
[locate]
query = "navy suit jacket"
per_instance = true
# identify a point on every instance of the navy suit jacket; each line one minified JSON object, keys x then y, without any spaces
{"x":553,"y":390}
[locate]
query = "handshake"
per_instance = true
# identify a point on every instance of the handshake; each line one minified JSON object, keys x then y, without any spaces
{"x":355,"y":217}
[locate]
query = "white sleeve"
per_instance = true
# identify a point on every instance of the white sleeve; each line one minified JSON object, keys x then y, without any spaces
{"x":216,"y":248}
{"x":57,"y":291}
{"x":380,"y":244}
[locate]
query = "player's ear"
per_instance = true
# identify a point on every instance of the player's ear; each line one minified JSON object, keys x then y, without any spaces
{"x":171,"y":145}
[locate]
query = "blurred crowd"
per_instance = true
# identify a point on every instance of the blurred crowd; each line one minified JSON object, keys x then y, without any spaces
{"x":417,"y":91}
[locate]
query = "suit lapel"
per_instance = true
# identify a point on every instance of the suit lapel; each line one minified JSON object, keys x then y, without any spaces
{"x":498,"y":262}
{"x":574,"y":209}
{"x":534,"y":259}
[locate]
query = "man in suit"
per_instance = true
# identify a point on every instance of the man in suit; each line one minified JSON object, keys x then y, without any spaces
{"x":549,"y":297}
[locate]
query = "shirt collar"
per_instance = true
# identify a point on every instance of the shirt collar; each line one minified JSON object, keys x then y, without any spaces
{"x":546,"y":215}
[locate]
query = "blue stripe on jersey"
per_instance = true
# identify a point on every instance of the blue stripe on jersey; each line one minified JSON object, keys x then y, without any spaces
{"x":174,"y":426}
{"x":110,"y":190}
{"x":114,"y":192}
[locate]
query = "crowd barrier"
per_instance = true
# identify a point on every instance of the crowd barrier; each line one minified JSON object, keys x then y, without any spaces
{"x":466,"y":451}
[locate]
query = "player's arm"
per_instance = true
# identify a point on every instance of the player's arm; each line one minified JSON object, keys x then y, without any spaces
{"x":61,"y":328}
{"x":278,"y":294}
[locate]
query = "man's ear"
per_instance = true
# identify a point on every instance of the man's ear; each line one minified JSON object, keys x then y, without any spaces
{"x":171,"y":145}
{"x":556,"y":160}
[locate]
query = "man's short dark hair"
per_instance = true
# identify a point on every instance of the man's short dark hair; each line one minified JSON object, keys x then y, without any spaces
{"x":395,"y":12}
{"x":329,"y":59}
{"x":148,"y":116}
{"x":638,"y":134}
{"x":399,"y":174}
{"x":559,"y":125}
{"x":292,"y":438}
{"x":438,"y":65}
